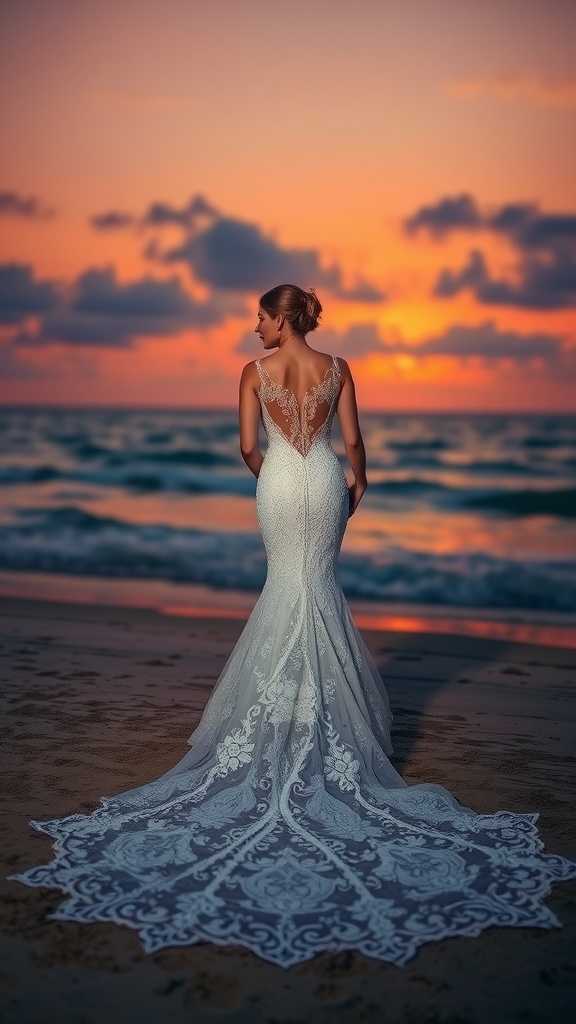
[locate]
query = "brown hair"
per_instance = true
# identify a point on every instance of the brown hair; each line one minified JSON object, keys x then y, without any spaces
{"x":301,"y":309}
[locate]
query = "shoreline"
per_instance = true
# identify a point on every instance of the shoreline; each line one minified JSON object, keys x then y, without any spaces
{"x":195,"y":601}
{"x":98,"y":699}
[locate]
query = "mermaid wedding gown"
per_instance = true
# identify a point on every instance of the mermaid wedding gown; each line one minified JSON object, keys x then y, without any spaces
{"x":285,"y":828}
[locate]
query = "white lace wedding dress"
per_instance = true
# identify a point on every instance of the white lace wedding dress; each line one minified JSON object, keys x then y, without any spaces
{"x":285,"y":828}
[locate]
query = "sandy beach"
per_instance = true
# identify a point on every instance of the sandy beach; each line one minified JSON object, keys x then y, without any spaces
{"x":97,"y":700}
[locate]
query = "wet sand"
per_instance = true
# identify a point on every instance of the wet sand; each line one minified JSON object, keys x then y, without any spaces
{"x":97,"y":700}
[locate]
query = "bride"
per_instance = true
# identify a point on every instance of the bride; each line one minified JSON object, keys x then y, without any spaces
{"x":285,"y":828}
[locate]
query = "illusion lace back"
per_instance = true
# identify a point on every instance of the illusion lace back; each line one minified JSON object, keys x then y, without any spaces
{"x":285,"y":828}
{"x":300,"y":425}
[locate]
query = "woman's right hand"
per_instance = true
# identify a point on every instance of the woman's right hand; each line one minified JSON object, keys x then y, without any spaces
{"x":355,"y":492}
{"x":352,"y":436}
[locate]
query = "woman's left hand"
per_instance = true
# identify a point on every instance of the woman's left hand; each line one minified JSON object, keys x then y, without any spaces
{"x":355,"y":492}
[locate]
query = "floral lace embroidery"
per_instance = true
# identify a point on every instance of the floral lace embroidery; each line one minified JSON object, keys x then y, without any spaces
{"x":340,"y":765}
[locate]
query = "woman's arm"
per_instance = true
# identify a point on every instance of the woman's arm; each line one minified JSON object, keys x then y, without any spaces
{"x":248,"y":415}
{"x":347,"y":410}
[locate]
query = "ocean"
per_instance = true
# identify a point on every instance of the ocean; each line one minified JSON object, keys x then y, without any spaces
{"x":471,"y":515}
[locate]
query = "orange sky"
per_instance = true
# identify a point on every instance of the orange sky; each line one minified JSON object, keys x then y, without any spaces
{"x":413,"y":160}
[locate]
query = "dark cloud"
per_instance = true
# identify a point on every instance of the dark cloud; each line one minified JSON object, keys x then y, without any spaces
{"x":113,"y":220}
{"x":363,"y":291}
{"x":487,"y":341}
{"x":473,"y":275}
{"x":21,"y":296}
{"x":12,"y":204}
{"x":101,"y":312}
{"x":545,"y":276}
{"x":234,"y":255}
{"x":448,"y":214}
{"x":547,"y":280}
{"x":159,"y":214}
{"x":532,"y":230}
{"x":97,"y":291}
{"x":461,"y":341}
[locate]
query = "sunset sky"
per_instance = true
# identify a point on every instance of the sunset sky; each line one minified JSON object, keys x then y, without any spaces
{"x":166,"y":161}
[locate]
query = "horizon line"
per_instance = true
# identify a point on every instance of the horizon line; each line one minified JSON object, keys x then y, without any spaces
{"x":416,"y":411}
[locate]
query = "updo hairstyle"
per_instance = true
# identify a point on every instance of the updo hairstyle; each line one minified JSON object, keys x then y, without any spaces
{"x":301,"y":309}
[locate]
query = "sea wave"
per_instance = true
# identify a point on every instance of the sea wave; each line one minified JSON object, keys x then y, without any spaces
{"x":509,"y":501}
{"x":554,"y":502}
{"x":133,"y":477}
{"x":27,"y":474}
{"x":141,"y":476}
{"x":72,"y":541}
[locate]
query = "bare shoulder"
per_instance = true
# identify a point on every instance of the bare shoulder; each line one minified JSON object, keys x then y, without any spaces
{"x":344,"y":368}
{"x":249,"y":373}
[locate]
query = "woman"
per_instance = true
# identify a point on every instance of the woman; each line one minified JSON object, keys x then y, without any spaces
{"x":285,"y":828}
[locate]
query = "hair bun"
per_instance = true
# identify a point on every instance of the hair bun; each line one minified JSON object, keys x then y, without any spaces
{"x":313,"y":308}
{"x":311,"y":301}
{"x":301,"y":308}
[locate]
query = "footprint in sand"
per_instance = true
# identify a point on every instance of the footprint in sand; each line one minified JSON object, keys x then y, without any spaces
{"x":213,"y":992}
{"x":331,"y":993}
{"x":81,"y":675}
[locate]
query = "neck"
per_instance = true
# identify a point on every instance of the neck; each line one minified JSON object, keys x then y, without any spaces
{"x":292,"y":341}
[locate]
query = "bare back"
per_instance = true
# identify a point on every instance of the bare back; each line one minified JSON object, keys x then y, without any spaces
{"x":297,"y":374}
